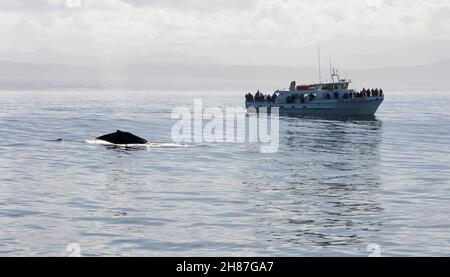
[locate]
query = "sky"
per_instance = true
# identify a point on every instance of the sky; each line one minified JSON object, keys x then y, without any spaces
{"x":234,"y":31}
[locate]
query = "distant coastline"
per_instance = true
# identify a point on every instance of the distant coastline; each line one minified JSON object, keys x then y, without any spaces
{"x":188,"y":76}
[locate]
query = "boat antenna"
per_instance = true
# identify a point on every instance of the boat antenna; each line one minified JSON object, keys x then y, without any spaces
{"x":320,"y":69}
{"x":331,"y":69}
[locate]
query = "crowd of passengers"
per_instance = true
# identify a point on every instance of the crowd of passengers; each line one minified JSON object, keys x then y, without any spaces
{"x":261,"y":98}
{"x":363,"y":93}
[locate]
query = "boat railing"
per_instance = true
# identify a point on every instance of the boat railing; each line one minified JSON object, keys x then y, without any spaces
{"x":359,"y":99}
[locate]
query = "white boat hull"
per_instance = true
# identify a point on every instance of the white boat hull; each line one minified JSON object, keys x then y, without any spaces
{"x":348,"y":107}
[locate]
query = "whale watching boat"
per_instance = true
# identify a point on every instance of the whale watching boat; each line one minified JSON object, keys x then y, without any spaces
{"x":328,"y":98}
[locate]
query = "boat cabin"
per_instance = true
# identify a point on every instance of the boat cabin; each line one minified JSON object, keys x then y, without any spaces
{"x":341,"y":85}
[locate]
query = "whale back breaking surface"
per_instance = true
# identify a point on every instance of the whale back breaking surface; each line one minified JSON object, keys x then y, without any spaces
{"x":120,"y":137}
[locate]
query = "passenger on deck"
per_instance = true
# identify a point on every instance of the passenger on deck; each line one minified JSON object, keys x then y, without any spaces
{"x":328,"y":96}
{"x":336,"y":95}
{"x":350,"y":95}
{"x":249,"y":97}
{"x":274,"y":97}
{"x":258,"y":96}
{"x":381,"y":92}
{"x":345,"y":96}
{"x":268,"y":99}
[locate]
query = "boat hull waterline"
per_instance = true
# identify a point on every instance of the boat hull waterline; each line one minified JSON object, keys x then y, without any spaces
{"x":367,"y":106}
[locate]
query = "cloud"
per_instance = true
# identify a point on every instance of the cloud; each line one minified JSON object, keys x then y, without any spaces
{"x":33,"y":5}
{"x":439,"y":19}
{"x":199,"y":5}
{"x":211,"y":26}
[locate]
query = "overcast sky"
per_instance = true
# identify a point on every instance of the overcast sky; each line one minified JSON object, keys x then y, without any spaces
{"x":227,"y":30}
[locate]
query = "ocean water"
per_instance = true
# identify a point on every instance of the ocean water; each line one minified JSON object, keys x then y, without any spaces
{"x":336,"y":187}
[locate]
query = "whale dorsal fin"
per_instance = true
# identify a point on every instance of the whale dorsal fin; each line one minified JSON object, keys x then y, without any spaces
{"x":120,"y":137}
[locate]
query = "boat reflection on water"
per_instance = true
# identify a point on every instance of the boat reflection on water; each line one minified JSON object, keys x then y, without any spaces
{"x":290,"y":116}
{"x":322,"y":185}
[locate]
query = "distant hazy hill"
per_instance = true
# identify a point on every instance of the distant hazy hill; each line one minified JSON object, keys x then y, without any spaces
{"x":189,"y":76}
{"x":432,"y":77}
{"x":15,"y":75}
{"x":370,"y":52}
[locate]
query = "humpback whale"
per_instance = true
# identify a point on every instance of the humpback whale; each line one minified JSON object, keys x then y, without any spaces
{"x":120,"y":137}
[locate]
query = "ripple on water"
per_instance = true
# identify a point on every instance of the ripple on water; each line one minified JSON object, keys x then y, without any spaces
{"x":334,"y":186}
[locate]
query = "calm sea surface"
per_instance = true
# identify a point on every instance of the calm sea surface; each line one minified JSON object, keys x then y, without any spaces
{"x":333,"y":188}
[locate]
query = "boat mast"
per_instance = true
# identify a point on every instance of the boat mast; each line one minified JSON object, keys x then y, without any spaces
{"x":320,"y":69}
{"x":331,"y":69}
